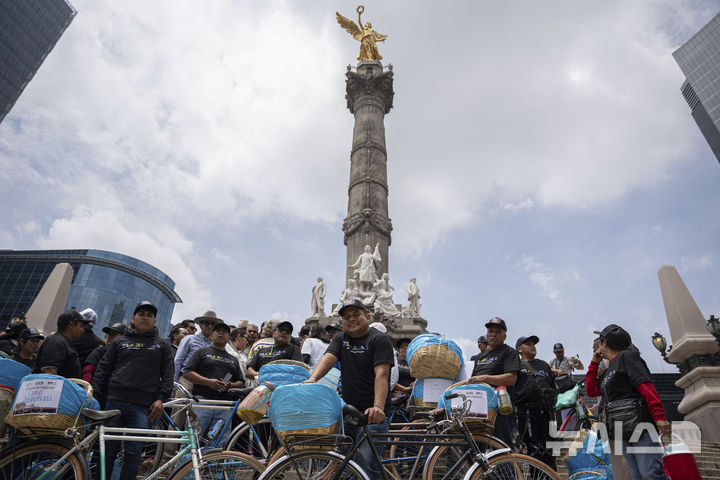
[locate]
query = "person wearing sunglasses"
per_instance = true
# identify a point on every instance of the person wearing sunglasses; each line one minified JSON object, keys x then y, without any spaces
{"x":281,"y":349}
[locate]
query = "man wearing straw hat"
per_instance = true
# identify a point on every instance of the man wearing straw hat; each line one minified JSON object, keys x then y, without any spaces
{"x":192,"y":343}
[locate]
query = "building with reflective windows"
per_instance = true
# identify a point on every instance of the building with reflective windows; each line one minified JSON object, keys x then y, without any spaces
{"x":699,"y":59}
{"x":109,"y":283}
{"x":29,"y":29}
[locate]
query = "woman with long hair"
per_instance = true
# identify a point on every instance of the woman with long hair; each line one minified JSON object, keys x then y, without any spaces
{"x":314,"y":346}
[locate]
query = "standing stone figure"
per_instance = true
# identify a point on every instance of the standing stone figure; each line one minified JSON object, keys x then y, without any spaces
{"x":413,"y":298}
{"x":366,"y":267}
{"x":350,"y":292}
{"x":317,"y":304}
{"x":383,"y":302}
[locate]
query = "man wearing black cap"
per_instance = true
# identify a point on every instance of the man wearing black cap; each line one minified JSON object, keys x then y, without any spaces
{"x":281,"y":349}
{"x":212,"y":370}
{"x":332,"y":329}
{"x":498,"y":366}
{"x":561,"y":364}
{"x":482,"y":346}
{"x":136,"y":377}
{"x":366,"y":355}
{"x":29,"y":342}
{"x":111,"y":333}
{"x":57,"y":355}
{"x":535,"y":400}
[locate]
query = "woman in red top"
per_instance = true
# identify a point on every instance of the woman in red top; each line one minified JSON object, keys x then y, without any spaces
{"x":628,"y":377}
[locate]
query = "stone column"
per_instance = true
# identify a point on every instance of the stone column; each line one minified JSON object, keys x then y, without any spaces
{"x":50,"y":302}
{"x":369,"y":97}
{"x":695,"y":352}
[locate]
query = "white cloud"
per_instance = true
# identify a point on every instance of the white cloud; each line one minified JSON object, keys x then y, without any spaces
{"x":695,"y":262}
{"x":542,"y":277}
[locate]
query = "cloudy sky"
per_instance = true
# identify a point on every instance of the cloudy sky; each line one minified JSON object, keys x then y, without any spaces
{"x":542,"y":163}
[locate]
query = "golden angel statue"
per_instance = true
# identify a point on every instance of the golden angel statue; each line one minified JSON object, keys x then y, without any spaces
{"x":365,"y":35}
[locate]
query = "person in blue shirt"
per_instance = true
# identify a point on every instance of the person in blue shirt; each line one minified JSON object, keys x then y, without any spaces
{"x":192,"y":343}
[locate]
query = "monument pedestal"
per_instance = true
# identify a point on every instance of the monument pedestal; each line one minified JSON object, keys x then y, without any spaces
{"x":701,"y":404}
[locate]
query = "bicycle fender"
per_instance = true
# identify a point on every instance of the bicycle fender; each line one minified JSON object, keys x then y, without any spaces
{"x":488,"y":456}
{"x":334,"y":454}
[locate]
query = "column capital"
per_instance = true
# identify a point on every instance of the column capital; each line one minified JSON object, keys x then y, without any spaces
{"x":369,"y":86}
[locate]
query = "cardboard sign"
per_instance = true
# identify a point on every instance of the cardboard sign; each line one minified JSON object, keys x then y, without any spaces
{"x":478,"y":403}
{"x":433,"y":388}
{"x":38,"y":397}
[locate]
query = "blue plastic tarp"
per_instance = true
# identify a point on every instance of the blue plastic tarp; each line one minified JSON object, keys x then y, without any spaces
{"x":594,"y":456}
{"x":432,"y":339}
{"x":282,"y":374}
{"x":11,"y":372}
{"x":73,"y":397}
{"x":492,"y":398}
{"x":304,"y":405}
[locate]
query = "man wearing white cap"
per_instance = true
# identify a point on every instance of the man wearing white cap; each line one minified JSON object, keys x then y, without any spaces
{"x":88,"y":341}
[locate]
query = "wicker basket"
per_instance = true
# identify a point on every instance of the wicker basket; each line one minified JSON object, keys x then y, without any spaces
{"x":437,"y":361}
{"x":478,"y":426}
{"x":309,"y":438}
{"x":6,"y":398}
{"x":49,"y":424}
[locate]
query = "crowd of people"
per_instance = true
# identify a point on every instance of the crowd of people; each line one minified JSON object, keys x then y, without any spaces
{"x":133,"y":370}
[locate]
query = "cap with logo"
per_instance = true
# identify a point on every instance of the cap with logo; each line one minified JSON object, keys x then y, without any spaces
{"x":522,"y":340}
{"x":32,"y":333}
{"x":352,"y":302}
{"x":496,"y":321}
{"x":115,"y":328}
{"x":557,"y":347}
{"x":615,"y":336}
{"x":285,"y":325}
{"x":482,"y":339}
{"x":145,"y":305}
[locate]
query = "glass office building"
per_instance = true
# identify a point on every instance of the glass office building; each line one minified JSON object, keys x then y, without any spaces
{"x":29,"y":29}
{"x":699,"y":59}
{"x":109,"y":283}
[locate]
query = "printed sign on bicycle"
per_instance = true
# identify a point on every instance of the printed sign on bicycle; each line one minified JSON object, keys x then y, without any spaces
{"x":478,"y":403}
{"x":38,"y":397}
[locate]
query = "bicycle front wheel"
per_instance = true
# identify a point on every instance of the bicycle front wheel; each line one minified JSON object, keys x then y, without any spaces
{"x":30,"y":461}
{"x":258,"y":441}
{"x":314,"y":465}
{"x":221,"y":466}
{"x":450,"y":462}
{"x":514,"y":466}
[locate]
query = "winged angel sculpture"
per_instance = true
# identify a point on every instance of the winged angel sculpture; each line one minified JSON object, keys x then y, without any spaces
{"x":365,"y":35}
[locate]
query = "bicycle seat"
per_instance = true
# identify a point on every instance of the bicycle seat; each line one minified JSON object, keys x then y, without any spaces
{"x":356,"y":416}
{"x":397,"y":401}
{"x":240,"y":392}
{"x":100,"y":415}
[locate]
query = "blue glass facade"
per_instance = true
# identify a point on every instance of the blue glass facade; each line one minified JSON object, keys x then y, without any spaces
{"x":699,"y":59}
{"x":109,"y":283}
{"x":29,"y":29}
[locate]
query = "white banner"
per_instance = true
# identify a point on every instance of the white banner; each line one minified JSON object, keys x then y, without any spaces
{"x":478,"y":402}
{"x":38,"y":397}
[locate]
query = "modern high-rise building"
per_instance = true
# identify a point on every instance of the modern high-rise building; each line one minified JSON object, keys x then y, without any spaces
{"x":109,"y":283}
{"x":699,"y":59}
{"x":29,"y":29}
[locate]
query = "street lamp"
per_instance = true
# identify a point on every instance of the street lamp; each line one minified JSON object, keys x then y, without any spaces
{"x":660,"y":344}
{"x":713,"y":326}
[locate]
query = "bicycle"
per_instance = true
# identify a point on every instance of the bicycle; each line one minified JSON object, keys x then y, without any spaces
{"x":304,"y":461}
{"x":66,"y":457}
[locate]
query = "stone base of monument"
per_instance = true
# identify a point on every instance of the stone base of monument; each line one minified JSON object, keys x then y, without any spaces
{"x":397,"y":327}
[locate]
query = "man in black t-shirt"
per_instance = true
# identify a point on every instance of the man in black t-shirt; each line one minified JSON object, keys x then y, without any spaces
{"x":535,"y":400}
{"x":282,"y":349}
{"x":57,"y":355}
{"x":365,"y":355}
{"x":207,"y":369}
{"x":498,"y":366}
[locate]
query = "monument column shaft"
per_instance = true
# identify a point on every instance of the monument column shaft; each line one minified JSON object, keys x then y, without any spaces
{"x":369,"y":98}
